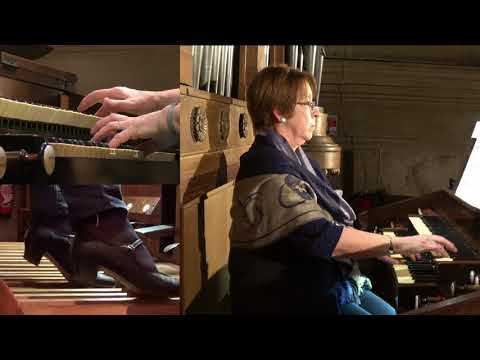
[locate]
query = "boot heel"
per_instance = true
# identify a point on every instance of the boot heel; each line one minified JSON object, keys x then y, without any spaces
{"x":86,"y":273}
{"x":33,"y":257}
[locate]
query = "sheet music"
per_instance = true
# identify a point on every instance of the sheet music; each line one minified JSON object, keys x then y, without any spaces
{"x":476,"y":131}
{"x":469,"y":187}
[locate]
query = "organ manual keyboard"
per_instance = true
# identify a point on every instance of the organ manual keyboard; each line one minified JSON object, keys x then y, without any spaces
{"x":49,"y":145}
{"x":41,"y":141}
{"x":436,"y":285}
{"x":431,"y":279}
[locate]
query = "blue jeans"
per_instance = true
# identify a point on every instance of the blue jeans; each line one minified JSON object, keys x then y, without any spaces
{"x":370,"y":304}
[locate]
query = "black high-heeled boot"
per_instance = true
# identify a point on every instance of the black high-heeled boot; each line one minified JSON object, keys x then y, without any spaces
{"x":110,"y":243}
{"x":55,"y":243}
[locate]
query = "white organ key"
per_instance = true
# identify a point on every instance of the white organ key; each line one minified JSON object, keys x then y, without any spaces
{"x":54,"y":118}
{"x":403,"y":274}
{"x":30,"y":112}
{"x":422,"y":229}
{"x":405,"y":280}
{"x":2,"y":107}
{"x":97,"y":152}
{"x":43,"y":114}
{"x":7,"y":104}
{"x":419,"y":225}
{"x":18,"y":111}
{"x":399,"y":267}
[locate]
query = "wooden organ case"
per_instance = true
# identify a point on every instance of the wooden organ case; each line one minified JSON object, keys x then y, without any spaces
{"x":215,"y":131}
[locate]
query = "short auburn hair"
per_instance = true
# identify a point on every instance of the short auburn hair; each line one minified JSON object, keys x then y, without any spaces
{"x":276,"y":87}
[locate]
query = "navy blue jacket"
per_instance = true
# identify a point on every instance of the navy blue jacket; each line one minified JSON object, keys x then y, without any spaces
{"x":296,"y":274}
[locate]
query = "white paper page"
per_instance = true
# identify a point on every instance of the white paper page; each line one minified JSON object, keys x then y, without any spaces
{"x":469,"y":187}
{"x":476,"y":131}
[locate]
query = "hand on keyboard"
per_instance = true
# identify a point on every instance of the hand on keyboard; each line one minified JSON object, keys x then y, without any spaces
{"x":121,"y":99}
{"x":415,"y":245}
{"x":156,"y":120}
{"x":388,"y":260}
{"x":118,"y":129}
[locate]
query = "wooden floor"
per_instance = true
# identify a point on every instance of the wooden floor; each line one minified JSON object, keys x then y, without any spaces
{"x":43,"y":290}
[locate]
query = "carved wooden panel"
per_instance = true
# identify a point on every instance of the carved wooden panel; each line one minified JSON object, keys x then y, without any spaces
{"x":219,"y":126}
{"x":205,"y":247}
{"x":194,"y":125}
{"x":209,"y":159}
{"x":204,"y":172}
{"x":242,"y":126}
{"x":205,"y":166}
{"x":190,"y":269}
{"x":217,"y":227}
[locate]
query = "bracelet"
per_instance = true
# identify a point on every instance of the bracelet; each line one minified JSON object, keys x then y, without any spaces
{"x":390,"y":246}
{"x":170,"y":116}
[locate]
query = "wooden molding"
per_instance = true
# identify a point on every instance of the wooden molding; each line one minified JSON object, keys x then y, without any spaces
{"x":186,"y":71}
{"x":251,"y":61}
{"x":277,"y":55}
{"x":468,"y":304}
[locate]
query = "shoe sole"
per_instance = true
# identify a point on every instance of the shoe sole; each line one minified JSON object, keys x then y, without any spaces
{"x":57,"y":265}
{"x":130,"y":287}
{"x":73,"y":280}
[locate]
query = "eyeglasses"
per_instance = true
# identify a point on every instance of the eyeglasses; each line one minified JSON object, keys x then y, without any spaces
{"x":311,"y":104}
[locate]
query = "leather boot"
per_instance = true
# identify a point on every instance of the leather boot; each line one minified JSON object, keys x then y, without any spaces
{"x":53,"y":239}
{"x":109,"y":242}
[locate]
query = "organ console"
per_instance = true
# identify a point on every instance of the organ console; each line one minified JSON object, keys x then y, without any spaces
{"x":48,"y":144}
{"x":42,"y":140}
{"x":450,"y":282}
{"x":431,"y":279}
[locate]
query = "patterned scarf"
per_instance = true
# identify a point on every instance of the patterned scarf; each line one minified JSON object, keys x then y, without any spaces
{"x":327,"y":197}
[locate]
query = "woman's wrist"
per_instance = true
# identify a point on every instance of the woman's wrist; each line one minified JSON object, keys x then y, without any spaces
{"x":390,"y":244}
{"x":166,"y":134}
{"x":165,"y":97}
{"x":171,"y":119}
